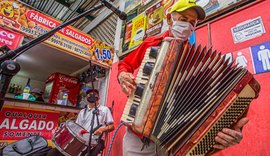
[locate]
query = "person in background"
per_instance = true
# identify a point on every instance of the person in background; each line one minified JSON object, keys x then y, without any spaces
{"x":84,"y":119}
{"x":182,"y":20}
{"x":37,"y":93}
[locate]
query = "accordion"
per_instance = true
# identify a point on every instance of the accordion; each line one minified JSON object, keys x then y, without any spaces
{"x":185,"y":95}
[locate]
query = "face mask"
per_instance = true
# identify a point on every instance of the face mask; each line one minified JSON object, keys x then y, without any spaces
{"x":92,"y":99}
{"x":181,"y":29}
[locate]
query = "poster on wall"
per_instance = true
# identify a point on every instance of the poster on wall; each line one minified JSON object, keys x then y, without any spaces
{"x":166,"y":4}
{"x":18,"y":123}
{"x":261,"y":57}
{"x":256,"y":59}
{"x":144,"y":2}
{"x":19,"y":17}
{"x":242,"y":58}
{"x":131,"y":4}
{"x":156,"y":22}
{"x":127,"y":35}
{"x":216,"y":6}
{"x":155,"y":15}
{"x":248,"y":30}
{"x":138,"y":30}
{"x":10,"y":38}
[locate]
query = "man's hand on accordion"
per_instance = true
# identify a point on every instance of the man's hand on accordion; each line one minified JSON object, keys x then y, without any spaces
{"x":229,"y":137}
{"x":127,"y":82}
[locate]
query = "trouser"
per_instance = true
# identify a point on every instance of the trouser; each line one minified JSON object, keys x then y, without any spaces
{"x":93,"y":152}
{"x":132,"y":146}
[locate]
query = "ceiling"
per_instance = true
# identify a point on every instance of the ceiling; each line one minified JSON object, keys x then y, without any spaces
{"x":41,"y":61}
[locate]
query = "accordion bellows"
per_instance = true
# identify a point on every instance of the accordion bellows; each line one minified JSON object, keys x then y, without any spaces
{"x":185,"y":95}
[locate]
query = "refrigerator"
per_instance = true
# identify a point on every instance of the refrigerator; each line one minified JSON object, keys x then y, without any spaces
{"x":62,"y":89}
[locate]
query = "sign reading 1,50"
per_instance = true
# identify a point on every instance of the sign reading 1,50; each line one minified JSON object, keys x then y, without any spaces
{"x":105,"y":55}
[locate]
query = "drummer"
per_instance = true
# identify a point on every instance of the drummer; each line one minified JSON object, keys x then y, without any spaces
{"x":84,"y":120}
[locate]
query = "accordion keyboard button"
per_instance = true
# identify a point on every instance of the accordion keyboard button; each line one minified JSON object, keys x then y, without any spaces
{"x":148,"y":67}
{"x":153,"y":52}
{"x":139,"y":90}
{"x":133,"y":110}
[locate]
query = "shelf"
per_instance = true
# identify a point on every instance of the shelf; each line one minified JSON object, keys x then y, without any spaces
{"x":40,"y":105}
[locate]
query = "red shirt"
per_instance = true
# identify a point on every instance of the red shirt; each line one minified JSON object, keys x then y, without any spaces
{"x":134,"y":59}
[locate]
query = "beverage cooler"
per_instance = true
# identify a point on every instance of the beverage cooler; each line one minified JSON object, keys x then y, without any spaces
{"x":62,"y":89}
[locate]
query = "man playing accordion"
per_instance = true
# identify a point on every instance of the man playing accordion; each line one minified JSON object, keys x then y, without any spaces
{"x":182,"y":20}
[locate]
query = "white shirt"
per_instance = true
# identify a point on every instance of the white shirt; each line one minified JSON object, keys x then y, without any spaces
{"x":85,"y":116}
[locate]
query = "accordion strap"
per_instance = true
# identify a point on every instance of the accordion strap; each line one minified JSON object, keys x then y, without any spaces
{"x":146,"y":142}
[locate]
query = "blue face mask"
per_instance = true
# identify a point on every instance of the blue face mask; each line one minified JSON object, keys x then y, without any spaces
{"x":181,"y":29}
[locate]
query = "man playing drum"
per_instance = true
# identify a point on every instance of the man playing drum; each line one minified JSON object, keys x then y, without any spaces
{"x":105,"y":120}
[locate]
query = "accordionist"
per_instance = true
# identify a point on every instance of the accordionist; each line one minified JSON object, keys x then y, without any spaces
{"x":182,"y":19}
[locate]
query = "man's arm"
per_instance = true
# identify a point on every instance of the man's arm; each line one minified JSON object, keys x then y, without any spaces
{"x":131,"y":62}
{"x":108,"y":121}
{"x":107,"y":128}
{"x":134,"y":59}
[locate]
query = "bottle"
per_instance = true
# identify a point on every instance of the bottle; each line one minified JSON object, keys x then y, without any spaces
{"x":16,"y":89}
{"x":27,"y":87}
{"x":65,"y":99}
{"x":20,"y":89}
{"x":10,"y":90}
{"x":26,"y":90}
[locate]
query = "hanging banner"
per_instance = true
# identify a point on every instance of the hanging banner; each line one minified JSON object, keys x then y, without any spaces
{"x":9,"y":38}
{"x":18,"y":123}
{"x":155,"y":15}
{"x":248,"y":30}
{"x":30,"y":22}
{"x":138,"y":30}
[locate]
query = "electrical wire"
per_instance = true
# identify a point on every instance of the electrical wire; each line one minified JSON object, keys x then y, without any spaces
{"x":110,"y":147}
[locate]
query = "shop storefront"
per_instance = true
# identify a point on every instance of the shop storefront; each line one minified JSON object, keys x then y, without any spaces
{"x":58,"y":68}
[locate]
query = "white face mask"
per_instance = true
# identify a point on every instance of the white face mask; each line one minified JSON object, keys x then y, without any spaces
{"x":181,"y":29}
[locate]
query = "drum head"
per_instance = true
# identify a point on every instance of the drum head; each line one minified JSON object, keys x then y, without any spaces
{"x":75,"y":129}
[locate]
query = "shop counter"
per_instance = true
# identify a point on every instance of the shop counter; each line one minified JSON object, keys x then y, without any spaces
{"x":40,"y":105}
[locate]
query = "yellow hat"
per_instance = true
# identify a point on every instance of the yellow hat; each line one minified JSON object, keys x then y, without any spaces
{"x":182,"y":5}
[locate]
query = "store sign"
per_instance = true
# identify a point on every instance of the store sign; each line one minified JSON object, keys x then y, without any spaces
{"x":248,"y":30}
{"x":19,"y":123}
{"x":10,"y":38}
{"x":15,"y":15}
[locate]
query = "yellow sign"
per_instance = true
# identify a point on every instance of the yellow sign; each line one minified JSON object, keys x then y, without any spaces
{"x":17,"y":16}
{"x":138,"y":30}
